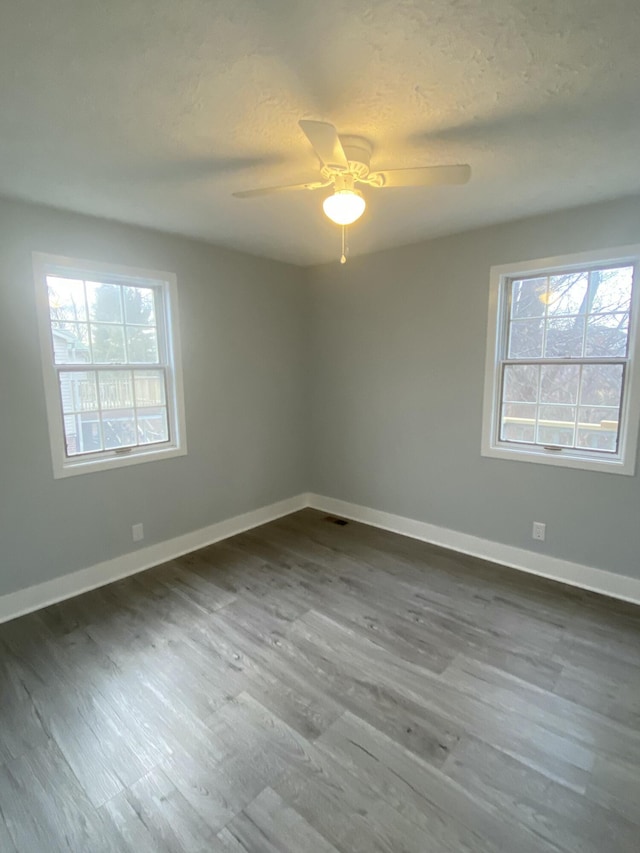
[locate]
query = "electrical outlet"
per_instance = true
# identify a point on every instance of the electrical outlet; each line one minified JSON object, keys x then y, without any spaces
{"x":137,"y":532}
{"x":539,"y":530}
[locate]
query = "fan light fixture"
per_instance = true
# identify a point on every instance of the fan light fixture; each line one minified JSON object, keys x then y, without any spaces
{"x":345,"y":162}
{"x":344,"y":206}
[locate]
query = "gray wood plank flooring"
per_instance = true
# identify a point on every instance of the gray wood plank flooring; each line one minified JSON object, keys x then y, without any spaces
{"x":334,"y":689}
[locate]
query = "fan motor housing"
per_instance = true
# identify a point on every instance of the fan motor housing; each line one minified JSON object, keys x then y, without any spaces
{"x":358,"y":152}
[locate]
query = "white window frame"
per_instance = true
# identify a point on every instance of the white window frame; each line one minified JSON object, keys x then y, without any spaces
{"x":624,"y":460}
{"x":67,"y":466}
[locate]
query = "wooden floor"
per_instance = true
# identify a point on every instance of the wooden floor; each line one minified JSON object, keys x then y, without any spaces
{"x":314,"y":687}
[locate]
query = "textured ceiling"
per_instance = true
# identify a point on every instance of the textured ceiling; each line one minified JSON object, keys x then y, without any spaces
{"x":154,"y":111}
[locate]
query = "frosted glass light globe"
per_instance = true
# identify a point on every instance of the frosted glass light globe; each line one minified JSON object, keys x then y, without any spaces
{"x":344,"y":206}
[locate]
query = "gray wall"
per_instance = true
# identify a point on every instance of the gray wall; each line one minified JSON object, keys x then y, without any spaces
{"x":398,"y":350}
{"x":361,"y":382}
{"x":242,"y":324}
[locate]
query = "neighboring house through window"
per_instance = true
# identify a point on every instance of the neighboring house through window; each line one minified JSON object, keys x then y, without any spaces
{"x":111,"y":364}
{"x":562,"y":384}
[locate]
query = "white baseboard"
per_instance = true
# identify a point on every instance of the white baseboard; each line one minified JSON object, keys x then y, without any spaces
{"x":42,"y":594}
{"x":586,"y":577}
{"x":574,"y":574}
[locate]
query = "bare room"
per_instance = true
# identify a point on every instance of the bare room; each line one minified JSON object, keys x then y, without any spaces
{"x":319,"y":408}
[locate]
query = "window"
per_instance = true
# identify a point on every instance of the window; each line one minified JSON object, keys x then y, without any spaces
{"x":561,"y":384}
{"x":111,"y":364}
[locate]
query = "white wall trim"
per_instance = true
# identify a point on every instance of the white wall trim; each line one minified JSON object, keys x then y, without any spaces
{"x":574,"y":574}
{"x":67,"y":586}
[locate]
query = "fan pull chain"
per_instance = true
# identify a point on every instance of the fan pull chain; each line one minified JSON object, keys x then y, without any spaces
{"x":345,"y":249}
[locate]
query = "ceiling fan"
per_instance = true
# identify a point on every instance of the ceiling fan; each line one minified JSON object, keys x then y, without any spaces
{"x":346,"y":163}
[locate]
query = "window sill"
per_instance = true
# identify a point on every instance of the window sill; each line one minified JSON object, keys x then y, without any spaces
{"x":71,"y":468}
{"x":561,"y":459}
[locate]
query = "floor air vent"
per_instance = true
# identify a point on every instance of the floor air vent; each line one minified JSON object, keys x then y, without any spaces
{"x":334,"y":520}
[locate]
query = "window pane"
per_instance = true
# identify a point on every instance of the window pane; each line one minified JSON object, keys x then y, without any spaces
{"x":560,"y":416}
{"x":78,"y":392}
{"x":105,"y":302}
{"x":119,"y":428}
{"x":601,"y":385}
{"x":556,"y":425}
{"x":559,"y":383}
{"x":611,"y":290}
{"x":70,"y":343}
{"x":557,"y":435}
{"x":107,"y":343}
{"x":116,"y":389}
{"x":142,"y":345}
{"x":82,"y":433}
{"x":139,"y":306}
{"x":149,"y":388}
{"x":518,"y":422}
{"x":152,"y":425}
{"x":525,"y":339}
{"x":598,"y":428}
{"x":66,"y":299}
{"x":568,"y":293}
{"x":521,"y":383}
{"x":607,"y":335}
{"x":71,"y":434}
{"x":564,"y":337}
{"x":528,"y":297}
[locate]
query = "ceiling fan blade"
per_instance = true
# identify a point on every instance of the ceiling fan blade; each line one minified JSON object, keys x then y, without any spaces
{"x":326,"y":143}
{"x":425,"y":176}
{"x":271,"y":190}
